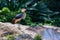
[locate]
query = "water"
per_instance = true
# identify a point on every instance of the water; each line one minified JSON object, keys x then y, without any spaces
{"x":50,"y":34}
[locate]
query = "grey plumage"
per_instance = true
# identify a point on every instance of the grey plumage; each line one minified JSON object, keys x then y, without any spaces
{"x":22,"y":16}
{"x":19,"y":17}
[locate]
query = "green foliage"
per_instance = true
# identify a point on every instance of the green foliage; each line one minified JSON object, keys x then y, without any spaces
{"x":6,"y":15}
{"x":28,"y":20}
{"x":5,"y":9}
{"x":10,"y":37}
{"x":38,"y":37}
{"x":42,"y":13}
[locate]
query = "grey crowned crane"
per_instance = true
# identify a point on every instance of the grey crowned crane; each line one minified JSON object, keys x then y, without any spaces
{"x":19,"y":17}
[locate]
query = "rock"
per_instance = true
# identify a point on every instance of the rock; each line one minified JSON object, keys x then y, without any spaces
{"x":24,"y":37}
{"x":28,"y":32}
{"x":8,"y":28}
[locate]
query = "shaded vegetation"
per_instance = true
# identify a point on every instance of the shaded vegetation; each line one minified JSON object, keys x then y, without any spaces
{"x":10,"y":37}
{"x":37,"y":37}
{"x":45,"y":11}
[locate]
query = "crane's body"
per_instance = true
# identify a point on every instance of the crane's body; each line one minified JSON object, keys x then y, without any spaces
{"x":19,"y":17}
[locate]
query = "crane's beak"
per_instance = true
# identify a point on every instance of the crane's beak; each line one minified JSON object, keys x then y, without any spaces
{"x":14,"y":21}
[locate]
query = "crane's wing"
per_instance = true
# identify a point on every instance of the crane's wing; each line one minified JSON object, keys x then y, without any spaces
{"x":19,"y":16}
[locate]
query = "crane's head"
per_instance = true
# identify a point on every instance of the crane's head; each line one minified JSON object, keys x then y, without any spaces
{"x":23,"y":10}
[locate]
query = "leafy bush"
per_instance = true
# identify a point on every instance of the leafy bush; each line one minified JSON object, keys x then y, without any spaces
{"x":5,"y":9}
{"x":6,"y":15}
{"x":42,"y":13}
{"x":38,"y":37}
{"x":10,"y":37}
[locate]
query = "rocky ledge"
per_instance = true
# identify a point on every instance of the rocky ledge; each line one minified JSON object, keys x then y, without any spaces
{"x":28,"y":32}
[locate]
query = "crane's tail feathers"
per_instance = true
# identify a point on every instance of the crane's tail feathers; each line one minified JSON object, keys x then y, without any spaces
{"x":13,"y":21}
